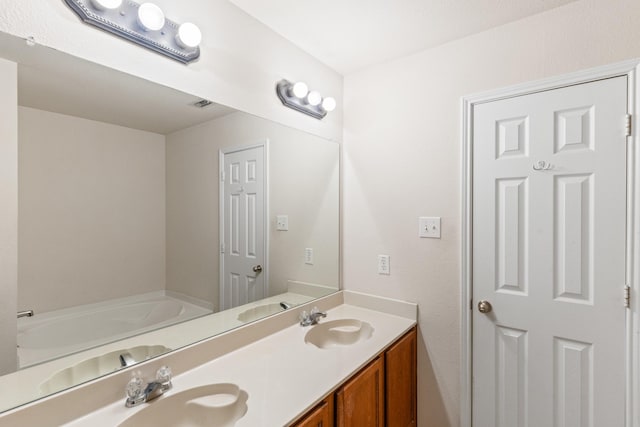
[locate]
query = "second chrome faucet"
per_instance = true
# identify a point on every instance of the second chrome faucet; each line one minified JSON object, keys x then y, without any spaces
{"x":309,"y":319}
{"x":138,"y":393}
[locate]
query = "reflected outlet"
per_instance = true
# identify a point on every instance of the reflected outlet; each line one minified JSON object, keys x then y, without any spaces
{"x":384,"y":266}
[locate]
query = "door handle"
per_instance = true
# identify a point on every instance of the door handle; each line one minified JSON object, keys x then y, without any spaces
{"x":257,"y":268}
{"x":484,"y":307}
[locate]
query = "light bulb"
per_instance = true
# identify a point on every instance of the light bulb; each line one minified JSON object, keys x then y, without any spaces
{"x":189,"y":35}
{"x":314,"y":98}
{"x":329,"y":104}
{"x":106,"y":4}
{"x":150,"y":17}
{"x":300,"y":90}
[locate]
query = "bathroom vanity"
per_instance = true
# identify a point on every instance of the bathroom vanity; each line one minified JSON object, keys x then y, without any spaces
{"x":269,"y":374}
{"x":381,"y":394}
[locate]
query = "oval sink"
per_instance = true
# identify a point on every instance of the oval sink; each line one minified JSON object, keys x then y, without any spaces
{"x":97,"y":366}
{"x":339,"y":332}
{"x":214,"y":405}
{"x":259,"y":312}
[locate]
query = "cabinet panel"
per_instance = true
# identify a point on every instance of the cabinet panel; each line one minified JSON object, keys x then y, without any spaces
{"x":360,"y":402}
{"x":321,"y":416}
{"x":401,"y":382}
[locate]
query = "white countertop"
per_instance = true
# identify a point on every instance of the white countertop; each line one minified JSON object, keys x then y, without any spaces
{"x":25,"y":383}
{"x":283,"y":376}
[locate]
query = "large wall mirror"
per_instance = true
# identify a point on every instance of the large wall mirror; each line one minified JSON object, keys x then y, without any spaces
{"x":149,"y":221}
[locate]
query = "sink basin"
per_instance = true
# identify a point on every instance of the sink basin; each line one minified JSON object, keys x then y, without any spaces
{"x":259,"y":312}
{"x":214,"y":405}
{"x":97,"y":366}
{"x":339,"y":332}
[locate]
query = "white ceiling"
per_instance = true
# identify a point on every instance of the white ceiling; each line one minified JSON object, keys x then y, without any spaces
{"x":351,"y":34}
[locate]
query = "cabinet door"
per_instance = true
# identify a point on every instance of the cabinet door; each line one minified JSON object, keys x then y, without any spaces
{"x":321,"y":416}
{"x":360,"y":402}
{"x":400,"y":376}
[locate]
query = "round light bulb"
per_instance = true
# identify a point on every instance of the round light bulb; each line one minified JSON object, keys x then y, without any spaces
{"x":300,"y":90}
{"x":150,"y":17}
{"x":329,"y":104}
{"x":189,"y":35}
{"x":106,"y":4}
{"x":314,"y":98}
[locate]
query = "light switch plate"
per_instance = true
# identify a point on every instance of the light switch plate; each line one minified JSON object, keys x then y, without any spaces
{"x":384,"y":264}
{"x":308,"y":256}
{"x":429,"y":226}
{"x":282,"y":222}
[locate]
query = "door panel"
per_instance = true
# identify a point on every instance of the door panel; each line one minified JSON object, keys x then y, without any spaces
{"x":243,"y":227}
{"x":549,"y":227}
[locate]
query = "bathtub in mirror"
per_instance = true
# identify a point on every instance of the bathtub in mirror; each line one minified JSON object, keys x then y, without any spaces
{"x":125,"y":219}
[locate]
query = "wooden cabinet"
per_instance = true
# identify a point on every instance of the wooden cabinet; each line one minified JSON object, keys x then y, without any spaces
{"x":401,"y":382}
{"x":360,"y":402}
{"x":320,"y":416}
{"x":383,"y":394}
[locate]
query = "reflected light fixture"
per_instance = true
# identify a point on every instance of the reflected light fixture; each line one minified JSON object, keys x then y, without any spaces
{"x":144,"y":24}
{"x":300,"y":90}
{"x":298,"y":97}
{"x":314,"y":98}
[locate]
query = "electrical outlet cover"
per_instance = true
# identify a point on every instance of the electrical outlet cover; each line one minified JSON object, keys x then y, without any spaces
{"x":384,"y":266}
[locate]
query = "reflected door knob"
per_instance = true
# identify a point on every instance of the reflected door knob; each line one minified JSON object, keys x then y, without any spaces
{"x":484,"y":307}
{"x":257,"y":268}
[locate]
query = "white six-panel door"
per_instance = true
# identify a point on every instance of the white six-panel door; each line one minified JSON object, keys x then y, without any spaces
{"x":549,"y":224}
{"x":243,"y":267}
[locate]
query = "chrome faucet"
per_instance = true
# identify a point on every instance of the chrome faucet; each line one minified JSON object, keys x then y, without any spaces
{"x":126,"y":359}
{"x":285,"y":305}
{"x":138,"y":393}
{"x":25,"y":313}
{"x":309,"y":319}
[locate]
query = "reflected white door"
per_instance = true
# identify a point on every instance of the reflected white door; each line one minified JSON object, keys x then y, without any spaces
{"x":242,"y":205}
{"x":549,"y":227}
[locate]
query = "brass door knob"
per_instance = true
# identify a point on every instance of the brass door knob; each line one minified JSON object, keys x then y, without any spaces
{"x":257,"y":268}
{"x":484,"y":307}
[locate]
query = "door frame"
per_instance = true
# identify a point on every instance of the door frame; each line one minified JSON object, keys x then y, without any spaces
{"x":630,"y":69}
{"x":221,"y":206}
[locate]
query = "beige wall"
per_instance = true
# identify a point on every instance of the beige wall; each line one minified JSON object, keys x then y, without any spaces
{"x":91,"y":211}
{"x":303,"y":182}
{"x":241,"y":59}
{"x":8,"y":215}
{"x":402,"y":160}
{"x":304,"y":185}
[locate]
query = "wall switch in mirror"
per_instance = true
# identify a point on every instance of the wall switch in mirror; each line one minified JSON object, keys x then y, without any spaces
{"x":308,"y":256}
{"x":282,"y":223}
{"x":429,"y":227}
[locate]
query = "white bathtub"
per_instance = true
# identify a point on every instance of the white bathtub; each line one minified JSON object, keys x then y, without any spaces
{"x":57,"y":333}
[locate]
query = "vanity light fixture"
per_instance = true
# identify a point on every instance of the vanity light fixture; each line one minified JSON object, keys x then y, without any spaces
{"x":106,"y":4}
{"x":329,"y":104}
{"x":189,"y":35}
{"x":298,"y":97}
{"x":150,"y":17}
{"x":144,"y":24}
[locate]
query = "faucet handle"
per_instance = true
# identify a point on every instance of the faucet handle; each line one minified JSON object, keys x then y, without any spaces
{"x":163,"y":375}
{"x":135,"y":387}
